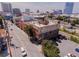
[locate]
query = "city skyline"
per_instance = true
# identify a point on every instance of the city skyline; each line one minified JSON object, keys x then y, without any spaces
{"x":46,"y":6}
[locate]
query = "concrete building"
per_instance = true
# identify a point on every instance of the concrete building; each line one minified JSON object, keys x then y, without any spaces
{"x":6,"y":7}
{"x":57,"y":11}
{"x":27,"y":17}
{"x":44,"y":29}
{"x":16,"y":12}
{"x":32,"y":17}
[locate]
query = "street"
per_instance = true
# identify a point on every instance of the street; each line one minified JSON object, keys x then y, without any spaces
{"x":21,"y":39}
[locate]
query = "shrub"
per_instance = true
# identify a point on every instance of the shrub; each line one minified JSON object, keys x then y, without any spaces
{"x":75,"y":39}
{"x":73,"y":33}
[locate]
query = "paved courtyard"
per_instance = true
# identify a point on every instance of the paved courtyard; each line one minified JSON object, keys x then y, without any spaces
{"x":67,"y":46}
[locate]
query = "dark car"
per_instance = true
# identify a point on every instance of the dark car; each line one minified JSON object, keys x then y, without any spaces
{"x":77,"y":49}
{"x":11,"y":29}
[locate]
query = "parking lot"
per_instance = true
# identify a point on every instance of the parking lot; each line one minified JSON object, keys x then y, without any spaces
{"x":67,"y":46}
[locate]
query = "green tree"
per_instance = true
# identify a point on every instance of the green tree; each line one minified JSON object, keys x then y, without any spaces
{"x":50,"y":50}
{"x":73,"y":23}
{"x":76,"y":21}
{"x":28,"y":30}
{"x":61,"y":18}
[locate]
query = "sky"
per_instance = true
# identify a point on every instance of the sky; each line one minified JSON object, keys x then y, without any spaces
{"x":43,"y":6}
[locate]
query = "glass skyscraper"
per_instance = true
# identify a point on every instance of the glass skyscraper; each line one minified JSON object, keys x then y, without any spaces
{"x":68,"y":8}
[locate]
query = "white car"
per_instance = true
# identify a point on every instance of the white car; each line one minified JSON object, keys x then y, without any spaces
{"x":24,"y":54}
{"x":70,"y":55}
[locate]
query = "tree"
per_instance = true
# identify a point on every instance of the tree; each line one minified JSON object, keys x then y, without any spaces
{"x":73,"y":23}
{"x":60,"y":18}
{"x":28,"y":30}
{"x":1,"y":22}
{"x":76,"y":21}
{"x":49,"y":49}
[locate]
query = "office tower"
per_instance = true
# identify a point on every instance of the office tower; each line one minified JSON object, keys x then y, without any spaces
{"x":16,"y":12}
{"x":69,"y":8}
{"x":6,"y":7}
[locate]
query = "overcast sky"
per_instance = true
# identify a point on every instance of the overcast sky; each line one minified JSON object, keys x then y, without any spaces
{"x":43,"y":6}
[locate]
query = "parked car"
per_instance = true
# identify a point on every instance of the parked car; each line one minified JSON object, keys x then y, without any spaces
{"x":11,"y":29}
{"x":24,"y":54}
{"x":77,"y":49}
{"x":70,"y":55}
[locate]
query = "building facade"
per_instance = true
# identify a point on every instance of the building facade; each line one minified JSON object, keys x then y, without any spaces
{"x":6,"y":7}
{"x":69,"y":8}
{"x":45,"y":29}
{"x":57,"y":11}
{"x":16,"y":12}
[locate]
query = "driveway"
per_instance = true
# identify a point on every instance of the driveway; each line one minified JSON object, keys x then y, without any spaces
{"x":67,"y":46}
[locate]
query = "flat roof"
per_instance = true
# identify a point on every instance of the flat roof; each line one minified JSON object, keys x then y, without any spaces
{"x":36,"y":23}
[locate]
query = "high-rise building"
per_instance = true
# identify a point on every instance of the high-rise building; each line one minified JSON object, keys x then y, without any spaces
{"x":16,"y":11}
{"x":69,"y":8}
{"x":6,"y":7}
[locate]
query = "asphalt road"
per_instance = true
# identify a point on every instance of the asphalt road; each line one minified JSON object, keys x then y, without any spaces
{"x":21,"y":39}
{"x":67,"y":46}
